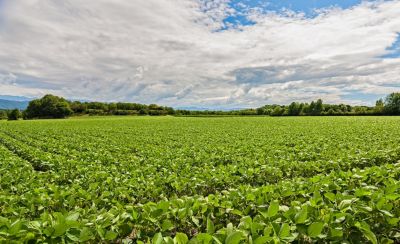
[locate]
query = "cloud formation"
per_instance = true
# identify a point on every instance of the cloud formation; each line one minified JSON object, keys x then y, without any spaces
{"x":184,"y":53}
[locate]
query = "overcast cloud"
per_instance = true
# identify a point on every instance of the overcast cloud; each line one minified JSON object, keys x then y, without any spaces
{"x":185,"y":53}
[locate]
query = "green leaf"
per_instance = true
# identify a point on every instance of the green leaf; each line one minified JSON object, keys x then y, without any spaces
{"x":387,"y":213}
{"x":301,"y":216}
{"x":204,"y":238}
{"x":85,"y":234}
{"x":157,"y":238}
{"x":29,"y":236}
{"x":111,"y":235}
{"x":210,"y":226}
{"x":365,"y":229}
{"x":168,"y":240}
{"x":284,"y":231}
{"x":163,"y":206}
{"x":15,"y":227}
{"x":268,"y":230}
{"x":315,"y":229}
{"x":195,"y":221}
{"x":59,"y":229}
{"x":218,"y":241}
{"x":181,"y":238}
{"x":72,"y":217}
{"x":262,"y":240}
{"x":246,"y":222}
{"x":255,"y":228}
{"x":234,"y":238}
{"x":335,"y":232}
{"x":273,"y":209}
{"x":73,"y":234}
{"x":330,"y":196}
{"x":167,"y":225}
{"x":345,"y":204}
{"x":3,"y":222}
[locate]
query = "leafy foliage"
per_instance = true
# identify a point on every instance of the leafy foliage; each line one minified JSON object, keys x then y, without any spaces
{"x":14,"y":114}
{"x":201,"y":180}
{"x":48,"y":106}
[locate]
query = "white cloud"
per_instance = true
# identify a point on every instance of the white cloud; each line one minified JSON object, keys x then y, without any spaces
{"x":171,"y":52}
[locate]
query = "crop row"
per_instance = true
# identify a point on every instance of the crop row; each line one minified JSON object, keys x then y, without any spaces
{"x":341,"y":206}
{"x":171,"y":178}
{"x":228,"y":180}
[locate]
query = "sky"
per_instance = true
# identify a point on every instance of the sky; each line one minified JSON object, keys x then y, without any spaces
{"x":201,"y":53}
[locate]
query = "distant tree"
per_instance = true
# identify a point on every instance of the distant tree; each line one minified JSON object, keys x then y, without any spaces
{"x":143,"y":111}
{"x":312,"y":107}
{"x":318,"y":107}
{"x":78,"y":107}
{"x":343,"y":108}
{"x":305,"y":109}
{"x":360,"y":110}
{"x":170,"y":110}
{"x":278,"y":111}
{"x":379,"y":106}
{"x":14,"y":114}
{"x":392,"y":103}
{"x":3,"y":115}
{"x":294,"y":109}
{"x":330,"y":112}
{"x":315,"y":108}
{"x":260,"y":111}
{"x":49,"y":106}
{"x":112,"y":107}
{"x":97,"y":106}
{"x":154,"y":107}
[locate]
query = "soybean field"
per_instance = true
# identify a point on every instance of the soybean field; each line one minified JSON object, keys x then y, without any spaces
{"x":200,"y":180}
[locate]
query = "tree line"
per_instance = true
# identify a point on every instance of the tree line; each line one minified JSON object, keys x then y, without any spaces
{"x":388,"y":106}
{"x":51,"y":106}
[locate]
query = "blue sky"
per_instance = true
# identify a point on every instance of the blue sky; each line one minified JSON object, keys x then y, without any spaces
{"x":201,"y":53}
{"x":394,"y":49}
{"x":308,"y":7}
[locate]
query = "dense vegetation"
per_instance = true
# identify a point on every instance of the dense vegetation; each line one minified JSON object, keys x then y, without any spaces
{"x":391,"y":106}
{"x":57,"y":107}
{"x":207,"y":180}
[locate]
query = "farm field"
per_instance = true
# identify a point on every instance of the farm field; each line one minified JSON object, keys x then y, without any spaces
{"x":200,"y":180}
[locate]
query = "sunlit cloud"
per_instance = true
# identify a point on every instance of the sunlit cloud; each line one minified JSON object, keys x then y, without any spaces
{"x":198,"y":53}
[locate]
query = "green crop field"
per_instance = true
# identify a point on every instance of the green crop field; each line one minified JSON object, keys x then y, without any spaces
{"x":201,"y":180}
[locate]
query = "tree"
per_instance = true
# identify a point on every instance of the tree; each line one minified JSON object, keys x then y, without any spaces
{"x":294,"y":109}
{"x":379,"y":106}
{"x":278,"y":111}
{"x":112,"y":107}
{"x":305,"y":109}
{"x":78,"y":107}
{"x":260,"y":111}
{"x":3,"y":114}
{"x":392,"y":103}
{"x":319,"y":106}
{"x":15,"y":114}
{"x":48,"y":106}
{"x":331,"y":112}
{"x":343,"y":108}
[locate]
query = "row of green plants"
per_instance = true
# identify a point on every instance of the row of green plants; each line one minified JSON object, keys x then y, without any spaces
{"x":357,"y":206}
{"x":200,"y":180}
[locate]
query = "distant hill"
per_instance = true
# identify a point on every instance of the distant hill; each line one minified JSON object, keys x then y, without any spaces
{"x":15,"y":98}
{"x":8,"y":104}
{"x":12,"y":102}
